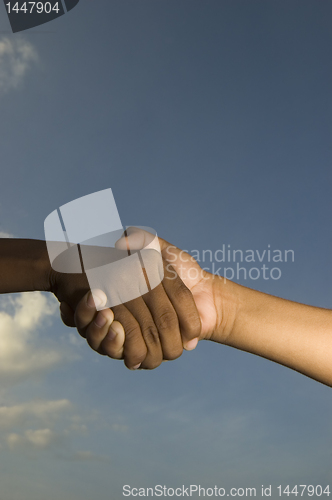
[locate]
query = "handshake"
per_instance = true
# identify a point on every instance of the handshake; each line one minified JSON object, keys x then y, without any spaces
{"x":188,"y":305}
{"x":144,"y":300}
{"x":157,"y":325}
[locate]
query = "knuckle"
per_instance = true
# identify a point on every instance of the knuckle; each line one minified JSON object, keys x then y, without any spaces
{"x":181,"y":292}
{"x":150,"y":335}
{"x":167,"y":320}
{"x":194,"y":326}
{"x":132,"y":331}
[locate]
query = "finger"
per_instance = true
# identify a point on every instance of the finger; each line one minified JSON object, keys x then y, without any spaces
{"x":98,"y":329}
{"x":113,"y":343}
{"x":185,"y":307}
{"x":134,"y":349}
{"x":86,"y":310}
{"x":150,"y":332}
{"x":67,"y":314}
{"x":166,"y":321}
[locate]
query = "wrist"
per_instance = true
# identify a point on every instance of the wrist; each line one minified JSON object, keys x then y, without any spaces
{"x":42,"y":269}
{"x":227,"y":299}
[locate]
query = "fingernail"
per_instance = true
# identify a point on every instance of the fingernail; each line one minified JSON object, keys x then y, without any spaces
{"x":136,"y":366}
{"x":190,"y":346}
{"x":100,"y":320}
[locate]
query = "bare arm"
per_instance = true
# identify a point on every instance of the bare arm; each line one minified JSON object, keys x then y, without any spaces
{"x":24,"y":265}
{"x":292,"y":334}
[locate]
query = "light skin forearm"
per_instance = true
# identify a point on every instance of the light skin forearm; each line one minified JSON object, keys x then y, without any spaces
{"x":292,"y":334}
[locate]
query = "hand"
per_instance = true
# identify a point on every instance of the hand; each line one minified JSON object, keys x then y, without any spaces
{"x":201,"y":284}
{"x":156,"y":325}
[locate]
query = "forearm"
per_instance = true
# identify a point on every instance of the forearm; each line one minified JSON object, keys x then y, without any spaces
{"x":24,"y":265}
{"x":289,"y":333}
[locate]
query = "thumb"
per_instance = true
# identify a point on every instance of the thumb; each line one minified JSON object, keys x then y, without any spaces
{"x":137,"y":238}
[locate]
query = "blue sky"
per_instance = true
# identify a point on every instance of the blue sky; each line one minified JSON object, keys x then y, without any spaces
{"x":211,"y":122}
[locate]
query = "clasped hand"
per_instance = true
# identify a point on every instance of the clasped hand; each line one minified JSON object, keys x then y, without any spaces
{"x":154,"y":327}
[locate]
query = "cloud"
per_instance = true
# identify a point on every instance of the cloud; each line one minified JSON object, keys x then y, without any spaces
{"x":37,"y":440}
{"x":42,"y":415}
{"x":38,"y":425}
{"x":41,"y":425}
{"x":16,"y":57}
{"x":42,"y":412}
{"x":51,"y":426}
{"x":6,"y":235}
{"x":20,"y":354}
{"x":32,"y":439}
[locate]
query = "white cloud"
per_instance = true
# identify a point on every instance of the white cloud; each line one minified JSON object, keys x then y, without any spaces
{"x":6,"y":235}
{"x":40,"y":425}
{"x":42,"y":412}
{"x":43,"y":416}
{"x":20,"y":319}
{"x":37,"y":426}
{"x":16,"y":57}
{"x":36,"y":439}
